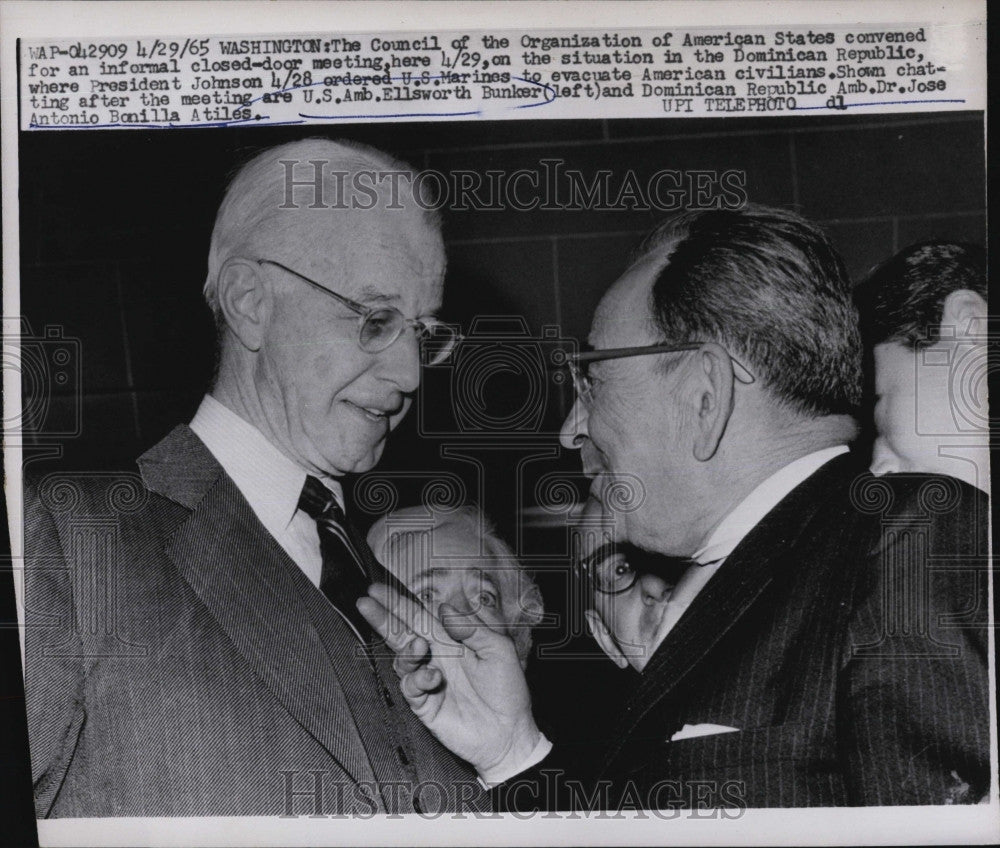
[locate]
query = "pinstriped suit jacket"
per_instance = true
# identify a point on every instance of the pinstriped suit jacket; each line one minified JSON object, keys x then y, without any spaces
{"x":846,"y":637}
{"x":179,"y":663}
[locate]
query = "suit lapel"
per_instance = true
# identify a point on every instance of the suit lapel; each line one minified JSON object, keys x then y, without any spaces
{"x":246,"y":581}
{"x":739,"y":584}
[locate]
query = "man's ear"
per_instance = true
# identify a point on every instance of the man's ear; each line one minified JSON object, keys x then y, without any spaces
{"x":965,"y":310}
{"x":713,"y":398}
{"x":244,"y":300}
{"x":604,"y":638}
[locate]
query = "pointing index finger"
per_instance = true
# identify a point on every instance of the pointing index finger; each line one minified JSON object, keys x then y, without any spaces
{"x":410,"y":614}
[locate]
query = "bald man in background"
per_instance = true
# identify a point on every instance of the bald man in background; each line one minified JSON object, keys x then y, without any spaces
{"x":230,"y":673}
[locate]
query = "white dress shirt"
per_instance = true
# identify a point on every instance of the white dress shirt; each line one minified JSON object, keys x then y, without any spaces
{"x":722,"y":541}
{"x":272,"y":484}
{"x":268,"y":479}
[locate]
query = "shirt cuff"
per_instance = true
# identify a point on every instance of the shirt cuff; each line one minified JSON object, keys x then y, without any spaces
{"x":493,"y":777}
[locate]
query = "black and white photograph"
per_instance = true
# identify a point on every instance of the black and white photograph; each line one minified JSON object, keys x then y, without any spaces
{"x":431,"y":469}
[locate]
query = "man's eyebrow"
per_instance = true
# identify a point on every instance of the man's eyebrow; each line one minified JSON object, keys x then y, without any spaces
{"x":488,"y":579}
{"x":433,"y":570}
{"x":370,"y":294}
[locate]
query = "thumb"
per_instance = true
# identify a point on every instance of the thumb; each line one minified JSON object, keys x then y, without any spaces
{"x":469,"y":631}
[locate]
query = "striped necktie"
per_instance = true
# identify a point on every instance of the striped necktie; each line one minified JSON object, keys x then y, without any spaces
{"x":344,"y":577}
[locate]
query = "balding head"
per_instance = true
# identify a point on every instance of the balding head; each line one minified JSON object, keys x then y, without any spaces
{"x":331,"y":183}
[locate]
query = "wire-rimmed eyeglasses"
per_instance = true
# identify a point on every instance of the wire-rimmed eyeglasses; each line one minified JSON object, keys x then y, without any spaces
{"x":579,"y":364}
{"x":380,"y":326}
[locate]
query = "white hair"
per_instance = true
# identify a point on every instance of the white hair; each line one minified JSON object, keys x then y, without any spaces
{"x":252,"y":206}
{"x":514,"y":581}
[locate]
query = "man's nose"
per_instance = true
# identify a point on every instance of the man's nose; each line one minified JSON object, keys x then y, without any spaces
{"x":459,"y":603}
{"x":574,"y":428}
{"x":884,"y":460}
{"x":655,"y":589}
{"x":401,"y":362}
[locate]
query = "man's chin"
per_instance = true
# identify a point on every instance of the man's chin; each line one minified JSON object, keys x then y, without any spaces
{"x":652,"y":623}
{"x":363,"y":464}
{"x":639,"y":663}
{"x":355,"y":462}
{"x":638,"y":656}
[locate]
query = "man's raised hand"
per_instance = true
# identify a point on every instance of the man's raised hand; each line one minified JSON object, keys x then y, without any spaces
{"x":462,"y":679}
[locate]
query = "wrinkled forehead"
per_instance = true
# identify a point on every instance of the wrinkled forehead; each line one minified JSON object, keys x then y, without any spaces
{"x":624,"y":317}
{"x":394,"y":252}
{"x":457,"y":542}
{"x":447,"y":548}
{"x":403,"y":551}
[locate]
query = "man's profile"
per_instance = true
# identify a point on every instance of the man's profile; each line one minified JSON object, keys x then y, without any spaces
{"x":821,"y":646}
{"x":924,"y":312}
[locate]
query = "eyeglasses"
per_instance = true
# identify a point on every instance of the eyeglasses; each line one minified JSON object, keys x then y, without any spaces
{"x":607,"y":571}
{"x":579,"y":364}
{"x":379,"y":327}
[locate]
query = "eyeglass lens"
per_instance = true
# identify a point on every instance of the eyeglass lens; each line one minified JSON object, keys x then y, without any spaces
{"x":383,"y":326}
{"x":606,"y":568}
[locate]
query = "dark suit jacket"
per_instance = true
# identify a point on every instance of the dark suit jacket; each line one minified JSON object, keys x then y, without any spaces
{"x":179,"y":663}
{"x":845,"y":637}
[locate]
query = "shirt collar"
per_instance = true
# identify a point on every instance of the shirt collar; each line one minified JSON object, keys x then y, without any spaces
{"x":268,"y":479}
{"x":749,"y":512}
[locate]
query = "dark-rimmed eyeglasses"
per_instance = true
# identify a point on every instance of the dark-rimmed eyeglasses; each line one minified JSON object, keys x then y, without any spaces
{"x":606,"y":571}
{"x":380,"y":326}
{"x":579,"y":364}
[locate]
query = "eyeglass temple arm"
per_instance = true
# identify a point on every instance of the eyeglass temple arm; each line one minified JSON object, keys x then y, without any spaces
{"x":624,"y":352}
{"x":743,"y":374}
{"x":360,"y":308}
{"x":353,"y":305}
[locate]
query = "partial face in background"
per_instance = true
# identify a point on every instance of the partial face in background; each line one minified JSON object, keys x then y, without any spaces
{"x":445,"y":566}
{"x":628,"y":608}
{"x":329,"y":404}
{"x":914,"y":413}
{"x":631,"y":436}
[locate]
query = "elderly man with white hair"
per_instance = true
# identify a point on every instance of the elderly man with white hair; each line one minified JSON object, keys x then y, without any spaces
{"x":455,"y":563}
{"x":234,"y":674}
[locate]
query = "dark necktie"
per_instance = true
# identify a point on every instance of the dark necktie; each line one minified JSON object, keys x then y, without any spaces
{"x":345,"y":577}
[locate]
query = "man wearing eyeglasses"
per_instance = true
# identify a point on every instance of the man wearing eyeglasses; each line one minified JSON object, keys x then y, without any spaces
{"x":229,"y":671}
{"x":825,"y":643}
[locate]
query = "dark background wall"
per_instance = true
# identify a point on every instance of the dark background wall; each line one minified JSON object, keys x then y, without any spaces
{"x":115,"y":228}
